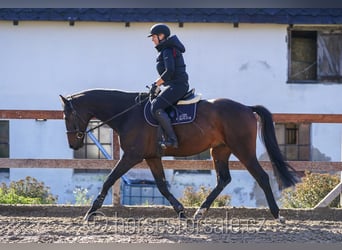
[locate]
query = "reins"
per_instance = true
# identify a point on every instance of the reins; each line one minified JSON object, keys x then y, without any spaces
{"x":138,"y":101}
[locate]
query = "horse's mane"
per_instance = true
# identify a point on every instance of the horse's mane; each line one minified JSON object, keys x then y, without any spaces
{"x":101,"y":91}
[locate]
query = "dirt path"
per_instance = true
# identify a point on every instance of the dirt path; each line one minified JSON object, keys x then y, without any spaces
{"x":159,"y":224}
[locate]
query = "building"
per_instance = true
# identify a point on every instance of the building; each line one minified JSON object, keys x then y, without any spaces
{"x":288,"y":60}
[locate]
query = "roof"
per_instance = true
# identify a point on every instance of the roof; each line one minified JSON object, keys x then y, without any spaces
{"x":203,"y":15}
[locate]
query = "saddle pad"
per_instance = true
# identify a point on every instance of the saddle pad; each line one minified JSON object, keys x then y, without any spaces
{"x":179,"y":114}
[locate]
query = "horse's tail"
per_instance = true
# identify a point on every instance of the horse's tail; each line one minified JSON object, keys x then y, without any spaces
{"x":286,"y":178}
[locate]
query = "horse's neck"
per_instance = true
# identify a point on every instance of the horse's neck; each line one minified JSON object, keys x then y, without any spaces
{"x":106,"y":105}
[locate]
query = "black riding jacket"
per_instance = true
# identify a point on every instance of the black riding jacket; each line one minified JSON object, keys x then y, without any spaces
{"x":170,"y":62}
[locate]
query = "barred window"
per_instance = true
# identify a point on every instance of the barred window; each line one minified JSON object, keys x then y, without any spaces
{"x":294,"y":140}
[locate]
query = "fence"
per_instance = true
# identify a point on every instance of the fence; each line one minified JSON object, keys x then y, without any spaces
{"x":168,"y":164}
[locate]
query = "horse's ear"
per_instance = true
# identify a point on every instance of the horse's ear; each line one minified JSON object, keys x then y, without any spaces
{"x":63,"y":99}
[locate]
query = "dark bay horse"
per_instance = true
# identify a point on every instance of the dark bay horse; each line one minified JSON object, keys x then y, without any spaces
{"x":225,"y":126}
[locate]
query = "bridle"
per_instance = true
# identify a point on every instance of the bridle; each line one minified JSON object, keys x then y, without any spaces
{"x":80,"y":134}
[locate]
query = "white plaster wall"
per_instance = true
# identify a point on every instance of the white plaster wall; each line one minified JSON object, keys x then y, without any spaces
{"x":43,"y":59}
{"x":327,"y":139}
{"x":40,"y":60}
{"x":39,"y":140}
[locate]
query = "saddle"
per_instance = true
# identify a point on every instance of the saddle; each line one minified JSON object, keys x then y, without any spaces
{"x":189,"y":98}
{"x":183,"y":112}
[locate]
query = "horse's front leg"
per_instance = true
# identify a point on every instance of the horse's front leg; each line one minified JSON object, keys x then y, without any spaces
{"x":125,"y":164}
{"x":157,"y":170}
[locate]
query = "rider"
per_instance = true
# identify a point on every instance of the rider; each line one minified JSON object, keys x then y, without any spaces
{"x":172,"y":74}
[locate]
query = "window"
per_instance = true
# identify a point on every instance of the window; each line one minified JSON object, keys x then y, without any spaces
{"x":90,"y":150}
{"x":315,"y":54}
{"x":4,"y":142}
{"x":294,"y":140}
{"x":104,"y":135}
{"x":4,"y":139}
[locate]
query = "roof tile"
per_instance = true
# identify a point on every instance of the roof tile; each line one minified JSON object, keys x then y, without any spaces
{"x":219,"y":15}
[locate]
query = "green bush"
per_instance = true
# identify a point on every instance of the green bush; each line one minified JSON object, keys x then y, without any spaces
{"x":81,"y":196}
{"x":313,"y":188}
{"x":194,"y":199}
{"x":27,"y":191}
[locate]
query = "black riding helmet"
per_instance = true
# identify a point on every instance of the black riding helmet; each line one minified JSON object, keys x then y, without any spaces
{"x":160,"y":28}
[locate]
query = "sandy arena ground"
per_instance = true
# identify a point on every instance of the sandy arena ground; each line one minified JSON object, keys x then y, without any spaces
{"x":160,"y":225}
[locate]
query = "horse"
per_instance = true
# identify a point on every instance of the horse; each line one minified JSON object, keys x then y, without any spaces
{"x":222,"y":125}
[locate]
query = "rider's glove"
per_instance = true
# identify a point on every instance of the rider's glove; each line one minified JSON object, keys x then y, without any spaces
{"x":154,"y":90}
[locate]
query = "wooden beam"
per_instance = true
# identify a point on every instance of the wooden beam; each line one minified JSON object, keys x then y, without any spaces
{"x":57,"y":163}
{"x":307,"y":118}
{"x":168,"y":164}
{"x":116,"y":146}
{"x":332,"y":195}
{"x":31,"y":114}
{"x":278,"y":117}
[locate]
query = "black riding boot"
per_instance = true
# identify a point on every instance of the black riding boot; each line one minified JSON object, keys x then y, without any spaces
{"x":164,"y":121}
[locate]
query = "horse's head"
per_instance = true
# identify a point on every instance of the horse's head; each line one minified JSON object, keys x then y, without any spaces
{"x":75,"y":122}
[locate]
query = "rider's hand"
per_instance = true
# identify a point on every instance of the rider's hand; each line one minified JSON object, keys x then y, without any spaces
{"x":154,"y":90}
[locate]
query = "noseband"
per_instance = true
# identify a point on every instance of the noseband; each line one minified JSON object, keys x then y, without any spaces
{"x":79,"y":134}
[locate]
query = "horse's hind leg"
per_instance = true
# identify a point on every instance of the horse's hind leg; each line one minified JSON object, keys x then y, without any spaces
{"x":159,"y":176}
{"x":220,"y":156}
{"x":244,"y":148}
{"x":262,"y":179}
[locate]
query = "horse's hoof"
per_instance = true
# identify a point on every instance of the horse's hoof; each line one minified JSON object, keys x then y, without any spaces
{"x":200,"y":213}
{"x":89,"y":216}
{"x":281,"y":220}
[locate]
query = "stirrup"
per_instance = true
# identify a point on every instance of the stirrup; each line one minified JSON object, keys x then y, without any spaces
{"x":168,"y":144}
